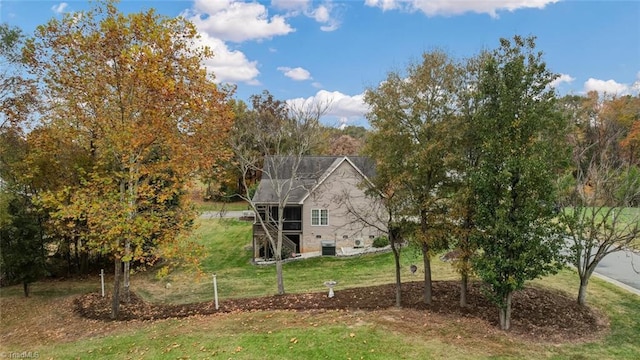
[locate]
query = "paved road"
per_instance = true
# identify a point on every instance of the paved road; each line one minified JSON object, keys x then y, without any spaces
{"x":622,"y":267}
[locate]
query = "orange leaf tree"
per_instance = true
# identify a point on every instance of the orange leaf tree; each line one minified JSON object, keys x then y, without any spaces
{"x":132,"y":90}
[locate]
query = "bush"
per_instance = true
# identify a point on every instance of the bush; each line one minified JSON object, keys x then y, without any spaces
{"x":380,"y":241}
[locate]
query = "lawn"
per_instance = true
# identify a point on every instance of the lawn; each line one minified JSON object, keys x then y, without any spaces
{"x":626,"y":218}
{"x":204,"y":206}
{"x":43,"y":323}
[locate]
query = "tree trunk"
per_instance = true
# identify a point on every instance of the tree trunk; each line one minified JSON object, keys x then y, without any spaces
{"x":25,"y":288}
{"x":427,"y":273}
{"x":126,"y":273}
{"x":115,"y":297}
{"x":279,"y":274}
{"x":464,"y":285}
{"x":396,"y":257}
{"x":76,"y":254}
{"x":84,"y":262}
{"x":505,"y":312}
{"x":131,"y":203}
{"x":67,"y":255}
{"x":582,"y":291}
{"x":278,"y":251}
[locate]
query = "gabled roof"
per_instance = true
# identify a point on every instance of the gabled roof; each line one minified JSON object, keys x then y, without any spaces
{"x":311,"y":172}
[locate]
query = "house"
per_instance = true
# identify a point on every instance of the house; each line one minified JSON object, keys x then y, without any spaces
{"x":327,"y":208}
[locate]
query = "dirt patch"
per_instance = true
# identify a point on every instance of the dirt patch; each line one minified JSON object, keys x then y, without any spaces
{"x":538,"y":314}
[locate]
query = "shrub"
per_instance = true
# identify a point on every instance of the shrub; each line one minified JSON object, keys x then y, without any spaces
{"x":380,"y":241}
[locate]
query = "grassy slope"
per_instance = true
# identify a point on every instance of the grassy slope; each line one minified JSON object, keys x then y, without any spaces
{"x":203,"y":206}
{"x":397,"y":334}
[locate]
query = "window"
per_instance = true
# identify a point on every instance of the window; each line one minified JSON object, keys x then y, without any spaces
{"x":319,"y":217}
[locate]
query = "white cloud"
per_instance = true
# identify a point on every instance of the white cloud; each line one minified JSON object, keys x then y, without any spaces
{"x":342,"y":107}
{"x":291,"y":5}
{"x":448,"y":7}
{"x":636,"y":84}
{"x":563,"y":78}
{"x":610,"y":87}
{"x":60,"y":8}
{"x":384,"y":4}
{"x":323,"y":13}
{"x":229,"y":65}
{"x":232,"y":20}
{"x":298,"y":74}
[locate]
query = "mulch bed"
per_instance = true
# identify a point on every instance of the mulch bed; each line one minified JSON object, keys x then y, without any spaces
{"x":539,"y":314}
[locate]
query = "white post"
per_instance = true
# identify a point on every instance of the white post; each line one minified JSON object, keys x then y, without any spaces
{"x":215,"y":290}
{"x":102,"y":280}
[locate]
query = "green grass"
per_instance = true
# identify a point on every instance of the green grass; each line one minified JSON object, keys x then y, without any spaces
{"x":387,"y":334}
{"x":228,"y":243}
{"x":262,"y":336}
{"x":202,"y":206}
{"x":626,"y":218}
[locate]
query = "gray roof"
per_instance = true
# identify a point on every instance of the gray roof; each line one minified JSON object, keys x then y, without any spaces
{"x":310,"y":171}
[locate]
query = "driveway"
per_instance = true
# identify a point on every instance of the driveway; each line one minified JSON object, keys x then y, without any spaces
{"x":622,"y":268}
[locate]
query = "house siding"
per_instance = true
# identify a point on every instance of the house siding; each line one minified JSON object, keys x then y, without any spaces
{"x":339,"y":192}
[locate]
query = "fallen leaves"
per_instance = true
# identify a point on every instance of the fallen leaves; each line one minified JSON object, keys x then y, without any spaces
{"x":537,"y":313}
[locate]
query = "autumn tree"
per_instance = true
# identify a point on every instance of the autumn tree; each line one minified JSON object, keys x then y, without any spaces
{"x":271,"y":139}
{"x":344,"y":145}
{"x":410,"y":117}
{"x":22,"y":254}
{"x":21,"y":233}
{"x":631,"y":144}
{"x":623,"y":113}
{"x":347,"y":140}
{"x":132,"y":89}
{"x":466,"y":156}
{"x":522,"y":143}
{"x":17,"y":92}
{"x":602,"y":186}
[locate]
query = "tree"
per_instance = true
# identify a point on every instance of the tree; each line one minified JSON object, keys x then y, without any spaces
{"x":409,"y":118}
{"x":344,"y":145}
{"x":21,"y":243}
{"x":520,"y":131}
{"x":271,"y":140}
{"x":348,"y":140}
{"x":22,"y":256}
{"x":600,"y":191}
{"x":21,"y":235}
{"x":466,"y":150}
{"x":631,"y":143}
{"x":17,"y":92}
{"x":623,"y":113}
{"x":383,"y":214}
{"x":132,"y":89}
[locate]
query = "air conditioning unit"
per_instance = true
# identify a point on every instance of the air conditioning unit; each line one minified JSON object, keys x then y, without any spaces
{"x":358,"y":243}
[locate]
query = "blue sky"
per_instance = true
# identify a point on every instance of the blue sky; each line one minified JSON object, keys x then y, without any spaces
{"x":330,"y":50}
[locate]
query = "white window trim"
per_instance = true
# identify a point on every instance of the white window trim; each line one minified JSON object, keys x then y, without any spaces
{"x":320,"y":217}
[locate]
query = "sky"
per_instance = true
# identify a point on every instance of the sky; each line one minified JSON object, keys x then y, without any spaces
{"x":331,"y":51}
